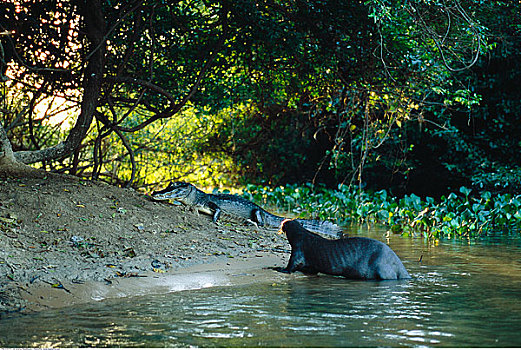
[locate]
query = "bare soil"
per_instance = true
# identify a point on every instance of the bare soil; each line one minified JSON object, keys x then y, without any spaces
{"x":65,"y":239}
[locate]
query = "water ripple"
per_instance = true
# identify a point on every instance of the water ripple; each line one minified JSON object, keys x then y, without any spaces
{"x":453,"y":301}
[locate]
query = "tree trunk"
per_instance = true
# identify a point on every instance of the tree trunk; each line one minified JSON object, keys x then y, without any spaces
{"x":8,"y":162}
{"x":94,"y":25}
{"x":6,"y":151}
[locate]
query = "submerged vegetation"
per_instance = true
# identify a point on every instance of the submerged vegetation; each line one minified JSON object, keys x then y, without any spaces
{"x":455,"y":215}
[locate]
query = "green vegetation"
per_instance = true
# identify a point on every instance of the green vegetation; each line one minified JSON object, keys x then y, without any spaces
{"x":456,"y":215}
{"x":405,"y":99}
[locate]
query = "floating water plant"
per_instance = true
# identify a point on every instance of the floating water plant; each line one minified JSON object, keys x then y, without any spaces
{"x":465,"y":214}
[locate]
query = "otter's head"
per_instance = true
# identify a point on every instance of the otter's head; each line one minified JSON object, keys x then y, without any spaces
{"x":293,"y":229}
{"x":175,"y":190}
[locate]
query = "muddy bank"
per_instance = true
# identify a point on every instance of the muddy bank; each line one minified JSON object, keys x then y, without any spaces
{"x":222,"y":272}
{"x":63,"y":239}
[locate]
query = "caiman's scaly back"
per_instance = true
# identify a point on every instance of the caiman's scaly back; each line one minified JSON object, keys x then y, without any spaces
{"x":214,"y":204}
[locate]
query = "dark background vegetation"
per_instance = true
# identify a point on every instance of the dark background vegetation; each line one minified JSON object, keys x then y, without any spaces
{"x":410,"y":96}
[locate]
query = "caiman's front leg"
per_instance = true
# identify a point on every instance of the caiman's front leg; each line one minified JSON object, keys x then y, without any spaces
{"x":217,"y":211}
{"x":257,"y":216}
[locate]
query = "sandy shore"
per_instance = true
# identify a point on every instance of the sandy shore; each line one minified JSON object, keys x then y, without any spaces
{"x":64,"y":240}
{"x":224,"y":272}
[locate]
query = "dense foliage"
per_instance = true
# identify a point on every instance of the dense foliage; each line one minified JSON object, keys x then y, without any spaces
{"x":455,"y":215}
{"x":408,"y":118}
{"x":409,"y":96}
{"x":411,"y":125}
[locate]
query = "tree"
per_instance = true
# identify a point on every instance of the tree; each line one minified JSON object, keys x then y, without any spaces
{"x":46,"y":42}
{"x":343,"y":75}
{"x":64,"y":48}
{"x":355,"y":75}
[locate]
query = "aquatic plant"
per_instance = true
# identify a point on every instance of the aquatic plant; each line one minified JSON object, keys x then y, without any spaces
{"x":465,"y":214}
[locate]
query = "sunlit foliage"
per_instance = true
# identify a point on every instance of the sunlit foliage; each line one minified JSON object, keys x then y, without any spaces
{"x":412,"y":96}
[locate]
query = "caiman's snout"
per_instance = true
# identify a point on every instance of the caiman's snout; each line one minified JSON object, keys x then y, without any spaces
{"x":158,"y":196}
{"x":176,"y":191}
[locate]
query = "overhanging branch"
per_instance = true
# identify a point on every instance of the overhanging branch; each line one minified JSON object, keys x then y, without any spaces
{"x":92,"y":79}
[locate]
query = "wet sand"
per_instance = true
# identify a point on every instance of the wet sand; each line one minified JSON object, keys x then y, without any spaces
{"x":224,"y":272}
{"x":64,"y":240}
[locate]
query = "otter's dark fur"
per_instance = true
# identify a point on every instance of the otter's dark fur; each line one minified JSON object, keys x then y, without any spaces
{"x":355,"y":257}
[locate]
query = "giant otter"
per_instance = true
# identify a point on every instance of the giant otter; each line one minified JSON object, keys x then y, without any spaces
{"x":354,"y":257}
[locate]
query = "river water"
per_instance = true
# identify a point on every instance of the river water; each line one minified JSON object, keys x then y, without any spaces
{"x":463,"y":294}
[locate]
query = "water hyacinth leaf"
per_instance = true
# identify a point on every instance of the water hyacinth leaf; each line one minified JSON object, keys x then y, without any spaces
{"x":465,"y":191}
{"x":454,"y":215}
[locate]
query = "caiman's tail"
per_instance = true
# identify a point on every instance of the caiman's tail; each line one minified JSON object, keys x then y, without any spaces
{"x":321,"y":226}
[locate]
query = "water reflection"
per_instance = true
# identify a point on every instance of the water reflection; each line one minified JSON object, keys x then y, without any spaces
{"x":461,"y":296}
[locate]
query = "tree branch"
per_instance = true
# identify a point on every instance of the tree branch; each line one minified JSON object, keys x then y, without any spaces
{"x":175,"y":107}
{"x":92,"y":79}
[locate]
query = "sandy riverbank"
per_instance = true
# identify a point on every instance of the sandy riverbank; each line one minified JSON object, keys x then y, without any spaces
{"x":64,"y":240}
{"x":224,"y":272}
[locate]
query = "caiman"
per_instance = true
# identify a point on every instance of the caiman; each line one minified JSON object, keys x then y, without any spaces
{"x":236,"y":206}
